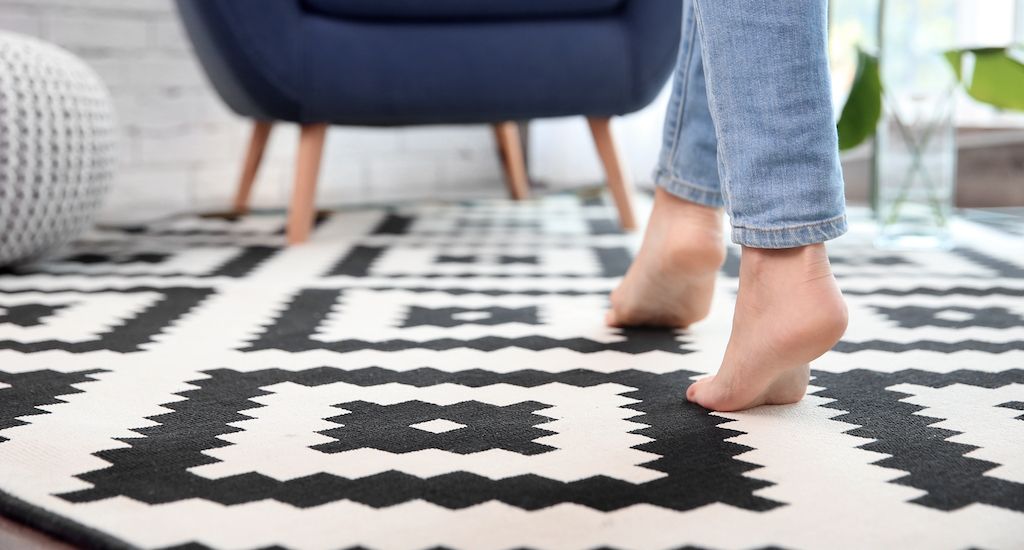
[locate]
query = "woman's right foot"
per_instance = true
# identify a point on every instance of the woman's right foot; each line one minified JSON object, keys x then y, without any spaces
{"x":672,"y":278}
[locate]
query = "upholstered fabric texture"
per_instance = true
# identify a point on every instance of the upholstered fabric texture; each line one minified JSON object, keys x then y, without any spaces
{"x":315,"y":62}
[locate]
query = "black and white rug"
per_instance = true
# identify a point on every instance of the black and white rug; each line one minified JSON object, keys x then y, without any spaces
{"x":439,"y":376}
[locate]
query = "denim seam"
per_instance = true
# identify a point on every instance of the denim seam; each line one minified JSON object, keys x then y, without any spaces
{"x":684,"y":86}
{"x":687,"y":190}
{"x":789,"y":227}
{"x":723,"y":156}
{"x":790,"y":236}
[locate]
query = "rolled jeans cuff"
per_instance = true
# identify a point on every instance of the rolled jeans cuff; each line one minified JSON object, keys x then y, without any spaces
{"x":790,"y":237}
{"x":687,"y":190}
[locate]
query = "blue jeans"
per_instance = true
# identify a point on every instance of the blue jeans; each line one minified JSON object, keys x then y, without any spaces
{"x":750,"y":125}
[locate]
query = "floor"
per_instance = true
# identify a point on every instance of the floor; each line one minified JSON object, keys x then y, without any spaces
{"x":14,"y":535}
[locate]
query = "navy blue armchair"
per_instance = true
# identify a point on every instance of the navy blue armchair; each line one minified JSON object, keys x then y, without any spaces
{"x":407,"y":62}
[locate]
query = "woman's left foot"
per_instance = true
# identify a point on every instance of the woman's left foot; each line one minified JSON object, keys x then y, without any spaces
{"x":789,"y":311}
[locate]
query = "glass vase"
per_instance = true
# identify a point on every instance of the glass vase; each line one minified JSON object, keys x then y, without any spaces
{"x":915,"y":144}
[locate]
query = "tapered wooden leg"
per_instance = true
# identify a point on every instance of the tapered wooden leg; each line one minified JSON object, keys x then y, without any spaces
{"x":253,"y":156}
{"x":307,"y":168}
{"x":615,"y":170}
{"x":513,"y":161}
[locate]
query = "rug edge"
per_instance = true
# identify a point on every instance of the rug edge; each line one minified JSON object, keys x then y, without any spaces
{"x":57,"y":526}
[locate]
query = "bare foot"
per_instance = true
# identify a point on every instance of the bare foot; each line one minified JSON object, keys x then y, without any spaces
{"x":789,"y":311}
{"x":673,"y":276}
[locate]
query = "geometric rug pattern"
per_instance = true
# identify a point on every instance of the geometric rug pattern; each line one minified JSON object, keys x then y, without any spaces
{"x":439,"y":376}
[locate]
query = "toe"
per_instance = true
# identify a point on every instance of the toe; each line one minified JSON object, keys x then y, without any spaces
{"x":611,"y":319}
{"x":694,"y":390}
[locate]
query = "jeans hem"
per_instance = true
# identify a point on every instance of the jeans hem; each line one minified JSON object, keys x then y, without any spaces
{"x":687,"y":191}
{"x":790,"y":237}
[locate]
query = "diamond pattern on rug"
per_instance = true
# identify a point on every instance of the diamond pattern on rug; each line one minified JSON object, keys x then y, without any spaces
{"x":29,"y":314}
{"x":396,"y":319}
{"x":898,"y":323}
{"x":230,"y":463}
{"x":439,"y":376}
{"x":24,"y":394}
{"x":484,"y":259}
{"x":940,"y":429}
{"x":400,"y":427}
{"x":121,"y":319}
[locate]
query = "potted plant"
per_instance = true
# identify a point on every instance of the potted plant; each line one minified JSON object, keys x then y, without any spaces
{"x":904,"y":97}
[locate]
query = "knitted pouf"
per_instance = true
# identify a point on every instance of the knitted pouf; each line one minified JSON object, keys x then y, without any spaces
{"x":56,"y":154}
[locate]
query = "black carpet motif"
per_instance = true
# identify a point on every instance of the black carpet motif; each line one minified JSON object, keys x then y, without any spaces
{"x":674,"y":427}
{"x":439,"y":376}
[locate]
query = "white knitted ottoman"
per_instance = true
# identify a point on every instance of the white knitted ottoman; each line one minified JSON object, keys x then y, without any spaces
{"x":56,"y":154}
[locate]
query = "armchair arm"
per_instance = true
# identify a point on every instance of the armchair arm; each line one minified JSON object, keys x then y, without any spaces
{"x":251,"y":52}
{"x":653,"y":28}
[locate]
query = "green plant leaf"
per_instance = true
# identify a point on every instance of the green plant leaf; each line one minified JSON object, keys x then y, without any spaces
{"x":863,"y":108}
{"x":955,"y":58}
{"x":997,"y":78}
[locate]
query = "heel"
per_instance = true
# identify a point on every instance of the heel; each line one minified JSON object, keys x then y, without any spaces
{"x":789,"y":387}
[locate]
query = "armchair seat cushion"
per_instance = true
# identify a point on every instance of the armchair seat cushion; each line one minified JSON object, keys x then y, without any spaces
{"x":456,"y":10}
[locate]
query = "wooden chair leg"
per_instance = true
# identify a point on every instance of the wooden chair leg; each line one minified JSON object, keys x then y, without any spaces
{"x":253,"y":156}
{"x":615,"y":170}
{"x":513,"y":161}
{"x":307,"y":168}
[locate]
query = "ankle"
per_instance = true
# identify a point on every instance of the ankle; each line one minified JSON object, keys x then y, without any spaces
{"x":680,"y":210}
{"x":807,"y":262}
{"x":798,"y":281}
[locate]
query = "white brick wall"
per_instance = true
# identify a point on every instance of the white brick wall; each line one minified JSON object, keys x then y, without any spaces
{"x":180,"y":148}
